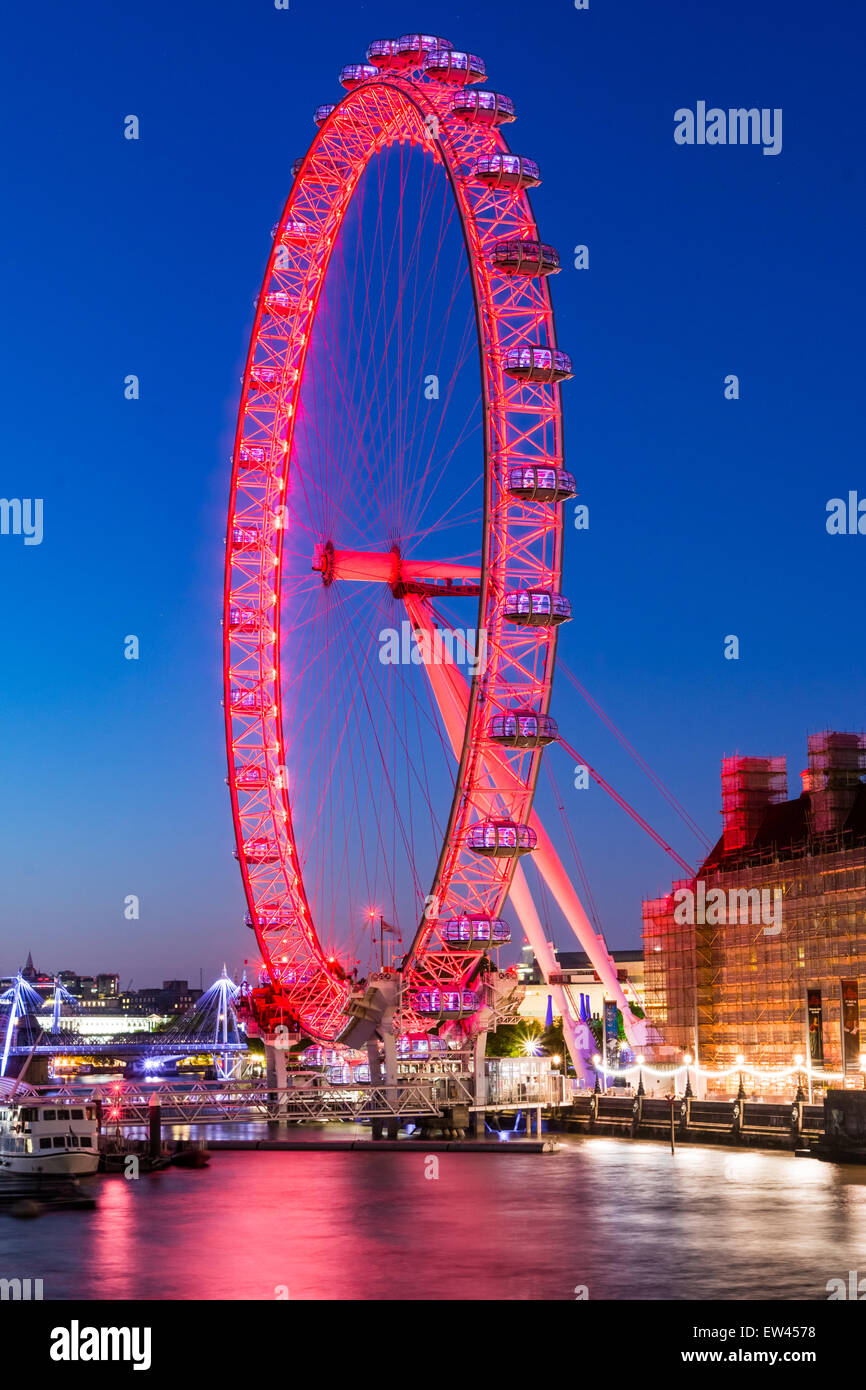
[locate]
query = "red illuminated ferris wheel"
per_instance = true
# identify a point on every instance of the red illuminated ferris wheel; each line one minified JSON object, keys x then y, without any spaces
{"x":392,"y":589}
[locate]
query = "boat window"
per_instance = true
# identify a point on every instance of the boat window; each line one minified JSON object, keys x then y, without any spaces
{"x":77,"y":1114}
{"x":45,"y":1143}
{"x":59,"y":1141}
{"x":63,"y":1114}
{"x":49,"y":1115}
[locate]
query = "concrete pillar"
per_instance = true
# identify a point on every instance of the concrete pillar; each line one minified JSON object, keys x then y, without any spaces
{"x":276,"y":1072}
{"x":154,"y":1126}
{"x":480,"y":1073}
{"x":376,"y":1078}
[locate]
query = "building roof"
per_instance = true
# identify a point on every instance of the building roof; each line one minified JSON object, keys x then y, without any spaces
{"x":786,"y":830}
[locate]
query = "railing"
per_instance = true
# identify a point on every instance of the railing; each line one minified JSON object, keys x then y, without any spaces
{"x":227,"y":1102}
{"x":791,"y":1124}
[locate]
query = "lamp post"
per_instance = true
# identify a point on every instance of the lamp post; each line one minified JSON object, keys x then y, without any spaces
{"x":687,"y":1062}
{"x":740,"y":1060}
{"x":798,"y":1063}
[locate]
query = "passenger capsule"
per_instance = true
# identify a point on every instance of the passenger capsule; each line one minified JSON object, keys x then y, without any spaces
{"x":412,"y":49}
{"x":294,"y":233}
{"x":446,"y":1003}
{"x":250,"y":777}
{"x":475,"y":931}
{"x":450,"y":65}
{"x":245,"y":700}
{"x":525,"y":257}
{"x":382,"y":53}
{"x":534,"y":483}
{"x":506,"y":171}
{"x":539,"y":364}
{"x":260,"y":850}
{"x":264,"y":378}
{"x":272,"y":915}
{"x":523,"y":728}
{"x":321,"y":114}
{"x":298,"y":166}
{"x":253,"y":456}
{"x":280,"y":304}
{"x":501,"y":839}
{"x":483,"y":108}
{"x":353,"y":74}
{"x":246,"y":538}
{"x":536,"y":608}
{"x":244,"y":619}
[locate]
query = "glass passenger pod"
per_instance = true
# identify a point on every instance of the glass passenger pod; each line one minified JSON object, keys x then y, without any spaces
{"x":298,"y":165}
{"x":452,"y":66}
{"x":353,"y":74}
{"x":506,"y":171}
{"x":446,"y":1003}
{"x":534,"y":483}
{"x":272,"y":915}
{"x":411,"y":49}
{"x":243,"y":618}
{"x":501,"y":839}
{"x":296,"y":232}
{"x":280,"y":304}
{"x":264,"y":378}
{"x":475,"y":931}
{"x":382,"y":53}
{"x":246,"y":538}
{"x":250,"y":777}
{"x":523,"y":728}
{"x":483,"y":108}
{"x":246,"y":700}
{"x":536,"y":608}
{"x":321,"y":114}
{"x":260,"y":850}
{"x":539,"y":364}
{"x":525,"y":256}
{"x":253,"y":456}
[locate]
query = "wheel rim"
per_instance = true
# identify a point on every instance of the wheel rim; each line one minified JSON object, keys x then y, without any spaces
{"x":521,"y":542}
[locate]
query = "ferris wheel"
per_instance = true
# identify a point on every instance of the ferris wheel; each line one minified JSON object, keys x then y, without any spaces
{"x":394,"y":549}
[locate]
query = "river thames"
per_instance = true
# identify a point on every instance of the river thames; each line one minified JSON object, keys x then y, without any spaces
{"x":601,"y":1219}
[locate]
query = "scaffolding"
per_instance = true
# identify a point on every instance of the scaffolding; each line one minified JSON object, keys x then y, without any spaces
{"x":749,"y":787}
{"x":781,"y":915}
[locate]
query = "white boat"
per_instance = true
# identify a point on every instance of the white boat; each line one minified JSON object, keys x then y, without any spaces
{"x":39,"y":1135}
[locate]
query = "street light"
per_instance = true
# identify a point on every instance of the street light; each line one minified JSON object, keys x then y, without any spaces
{"x":741,"y":1093}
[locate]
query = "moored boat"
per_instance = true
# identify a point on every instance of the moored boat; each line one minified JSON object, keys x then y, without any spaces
{"x":47,"y":1137}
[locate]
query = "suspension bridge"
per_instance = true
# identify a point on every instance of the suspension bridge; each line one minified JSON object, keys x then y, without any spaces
{"x":33,"y":1024}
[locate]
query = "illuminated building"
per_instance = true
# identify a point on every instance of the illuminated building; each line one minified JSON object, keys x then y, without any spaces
{"x":763,"y":954}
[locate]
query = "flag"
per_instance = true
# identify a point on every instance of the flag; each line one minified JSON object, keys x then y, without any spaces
{"x":548,"y":1022}
{"x":386,"y":927}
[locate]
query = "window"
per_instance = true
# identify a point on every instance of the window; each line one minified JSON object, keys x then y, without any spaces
{"x":77,"y":1114}
{"x":45,"y":1143}
{"x":59,"y":1141}
{"x":49,"y":1114}
{"x":63,"y":1114}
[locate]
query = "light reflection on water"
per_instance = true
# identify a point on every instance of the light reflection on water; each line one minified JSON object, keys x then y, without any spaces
{"x":628,"y":1220}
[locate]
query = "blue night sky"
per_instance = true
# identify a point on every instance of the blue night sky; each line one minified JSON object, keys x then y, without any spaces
{"x":707,"y":516}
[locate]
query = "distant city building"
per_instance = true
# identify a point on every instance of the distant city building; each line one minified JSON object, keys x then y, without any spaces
{"x":577,"y":975}
{"x":175,"y":997}
{"x":763,"y":954}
